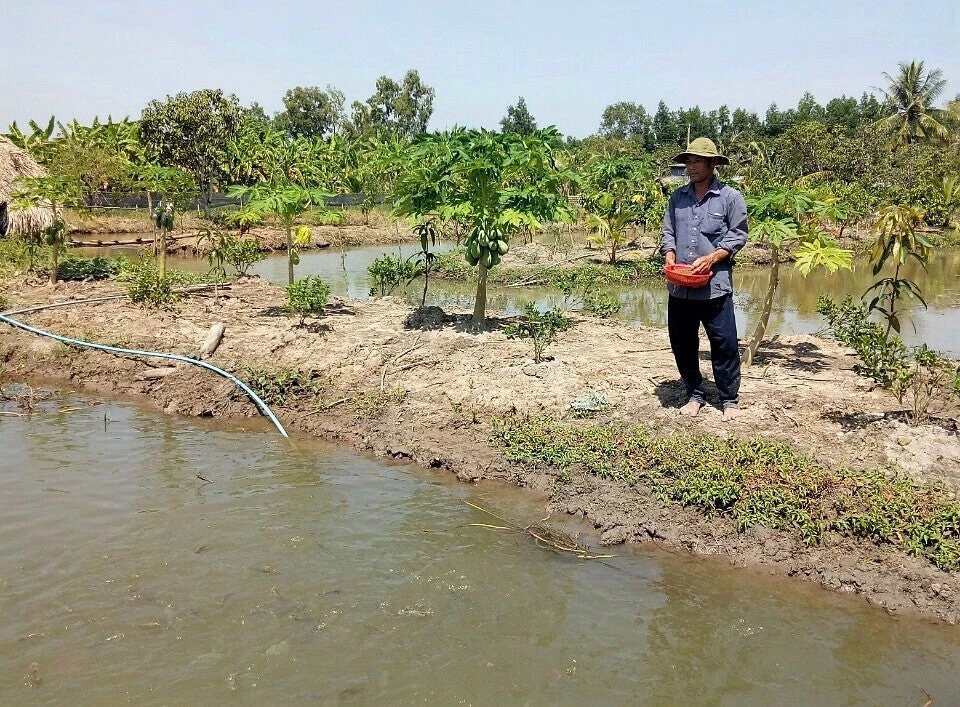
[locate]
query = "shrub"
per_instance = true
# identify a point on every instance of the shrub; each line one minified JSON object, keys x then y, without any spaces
{"x":600,"y":304}
{"x":149,"y":289}
{"x":307,"y":296}
{"x":923,"y":379}
{"x":540,"y":327}
{"x":283,"y":387}
{"x":96,"y":268}
{"x":241,"y":253}
{"x":388,"y":272}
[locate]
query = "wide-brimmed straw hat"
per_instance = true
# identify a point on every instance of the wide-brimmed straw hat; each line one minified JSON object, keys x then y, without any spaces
{"x":702,"y":147}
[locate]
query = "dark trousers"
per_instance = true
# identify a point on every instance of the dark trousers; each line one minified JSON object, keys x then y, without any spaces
{"x":684,"y":317}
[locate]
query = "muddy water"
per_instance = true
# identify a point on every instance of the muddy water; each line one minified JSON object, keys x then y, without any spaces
{"x":302,"y":573}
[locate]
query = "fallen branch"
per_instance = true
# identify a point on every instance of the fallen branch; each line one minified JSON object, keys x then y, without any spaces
{"x":541,"y":534}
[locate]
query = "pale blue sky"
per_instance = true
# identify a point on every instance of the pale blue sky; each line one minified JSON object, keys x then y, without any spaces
{"x":568,"y":59}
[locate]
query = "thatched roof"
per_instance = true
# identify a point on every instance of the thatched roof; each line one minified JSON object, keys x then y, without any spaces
{"x":14,"y":163}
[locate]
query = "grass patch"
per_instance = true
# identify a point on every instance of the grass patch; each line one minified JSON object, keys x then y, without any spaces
{"x":752,"y":482}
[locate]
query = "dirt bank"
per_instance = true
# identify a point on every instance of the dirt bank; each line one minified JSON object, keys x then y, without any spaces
{"x":425,"y":388}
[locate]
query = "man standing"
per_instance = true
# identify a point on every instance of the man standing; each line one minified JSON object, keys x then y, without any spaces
{"x":704,"y":227}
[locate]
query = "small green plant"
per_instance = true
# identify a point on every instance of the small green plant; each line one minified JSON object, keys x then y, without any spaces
{"x":600,"y":304}
{"x":388,"y":272}
{"x":283,"y":387}
{"x":241,"y":253}
{"x":926,"y":381}
{"x":307,"y":296}
{"x":540,"y":327}
{"x":149,"y":288}
{"x":374,"y":403}
{"x":882,"y":359}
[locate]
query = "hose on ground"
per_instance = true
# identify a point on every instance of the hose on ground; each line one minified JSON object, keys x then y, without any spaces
{"x":135,"y":352}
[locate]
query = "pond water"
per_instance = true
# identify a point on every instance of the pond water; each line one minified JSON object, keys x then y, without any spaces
{"x":149,"y":559}
{"x":794,"y":310}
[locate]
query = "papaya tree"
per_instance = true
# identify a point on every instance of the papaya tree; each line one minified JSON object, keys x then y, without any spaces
{"x":54,"y":193}
{"x":494,"y":185}
{"x":784,"y":218}
{"x":286,"y":201}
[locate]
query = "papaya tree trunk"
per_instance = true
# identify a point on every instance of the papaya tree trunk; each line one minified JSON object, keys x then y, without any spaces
{"x":289,"y":254}
{"x":480,"y":304}
{"x":54,"y":261}
{"x":54,"y":248}
{"x":163,"y":252}
{"x":751,"y":351}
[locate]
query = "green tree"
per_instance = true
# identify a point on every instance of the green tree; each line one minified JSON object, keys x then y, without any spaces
{"x":909,"y":100}
{"x":311,"y":112}
{"x":191,"y":131}
{"x":518,"y":119}
{"x":897,"y":241}
{"x":627,"y":121}
{"x":842,"y":112}
{"x":403,"y":109}
{"x":777,"y":121}
{"x":494,"y":184}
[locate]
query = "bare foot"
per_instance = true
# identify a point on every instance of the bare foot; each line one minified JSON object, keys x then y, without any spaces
{"x":730,"y":414}
{"x":692,"y":408}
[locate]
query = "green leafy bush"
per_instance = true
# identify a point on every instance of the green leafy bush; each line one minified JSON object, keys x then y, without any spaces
{"x":307,"y":296}
{"x":600,"y":304}
{"x":388,"y":272}
{"x":882,"y":359}
{"x":540,"y":327}
{"x":149,"y":289}
{"x":923,"y":379}
{"x":96,"y":268}
{"x":241,"y":253}
{"x":283,"y":387}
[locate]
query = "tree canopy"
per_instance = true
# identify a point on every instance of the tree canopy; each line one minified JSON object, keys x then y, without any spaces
{"x":518,"y":119}
{"x":191,"y":131}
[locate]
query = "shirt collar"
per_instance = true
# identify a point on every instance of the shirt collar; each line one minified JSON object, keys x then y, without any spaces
{"x":714,"y":187}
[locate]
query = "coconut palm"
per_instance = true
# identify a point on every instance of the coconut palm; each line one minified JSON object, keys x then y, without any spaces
{"x":910,"y":96}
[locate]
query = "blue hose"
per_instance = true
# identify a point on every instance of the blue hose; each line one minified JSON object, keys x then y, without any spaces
{"x":152,"y":354}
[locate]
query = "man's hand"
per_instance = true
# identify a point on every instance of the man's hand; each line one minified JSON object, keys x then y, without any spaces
{"x":671,"y":257}
{"x":704,"y":263}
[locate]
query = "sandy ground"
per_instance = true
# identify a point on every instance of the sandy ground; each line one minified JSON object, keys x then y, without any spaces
{"x":425,"y":388}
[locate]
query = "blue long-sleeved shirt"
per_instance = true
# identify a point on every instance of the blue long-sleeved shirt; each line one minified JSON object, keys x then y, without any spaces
{"x":693,"y":229}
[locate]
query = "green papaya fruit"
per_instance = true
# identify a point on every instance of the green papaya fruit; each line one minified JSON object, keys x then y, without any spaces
{"x":474,"y":250}
{"x":503,"y":247}
{"x":472,"y":260}
{"x":488,"y":259}
{"x":495,"y":259}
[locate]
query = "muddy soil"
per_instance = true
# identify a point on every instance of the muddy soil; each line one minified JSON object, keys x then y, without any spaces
{"x":424,"y":387}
